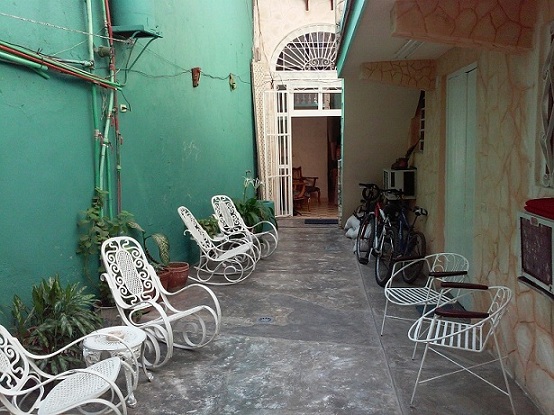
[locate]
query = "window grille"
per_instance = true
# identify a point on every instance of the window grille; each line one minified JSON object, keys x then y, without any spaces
{"x":314,"y":51}
{"x":547,"y":115}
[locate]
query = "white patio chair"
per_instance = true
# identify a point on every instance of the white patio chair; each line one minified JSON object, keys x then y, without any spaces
{"x":446,"y":328}
{"x":142,"y":302}
{"x":231,"y":222}
{"x":441,"y":267}
{"x":223,"y":261}
{"x":26,"y":389}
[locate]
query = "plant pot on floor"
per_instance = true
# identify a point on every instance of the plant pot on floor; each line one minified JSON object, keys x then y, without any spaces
{"x":178,"y":275}
{"x":109,"y":314}
{"x":164,"y":275}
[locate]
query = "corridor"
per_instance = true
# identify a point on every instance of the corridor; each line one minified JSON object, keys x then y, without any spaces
{"x":300,"y":336}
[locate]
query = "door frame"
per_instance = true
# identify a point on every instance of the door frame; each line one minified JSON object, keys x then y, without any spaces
{"x":461,"y":132}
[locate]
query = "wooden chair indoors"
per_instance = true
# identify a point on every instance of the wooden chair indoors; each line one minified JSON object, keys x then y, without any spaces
{"x":299,"y":196}
{"x":309,"y":181}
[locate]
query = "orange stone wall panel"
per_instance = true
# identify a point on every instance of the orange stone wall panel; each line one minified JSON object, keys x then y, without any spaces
{"x":501,"y":25}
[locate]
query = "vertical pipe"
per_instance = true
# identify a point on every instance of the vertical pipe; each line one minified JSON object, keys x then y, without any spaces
{"x":94,"y":92}
{"x":105,"y":166}
{"x":115,"y":112}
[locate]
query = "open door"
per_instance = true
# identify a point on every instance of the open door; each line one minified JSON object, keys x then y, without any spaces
{"x":278,"y":151}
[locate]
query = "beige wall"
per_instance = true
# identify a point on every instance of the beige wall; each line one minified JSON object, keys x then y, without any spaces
{"x":507,"y":159}
{"x":376,"y":126}
{"x":309,"y":149}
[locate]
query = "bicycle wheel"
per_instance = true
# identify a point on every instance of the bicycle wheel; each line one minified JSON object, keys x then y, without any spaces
{"x":383,"y":263}
{"x":364,"y":239}
{"x":416,"y":247}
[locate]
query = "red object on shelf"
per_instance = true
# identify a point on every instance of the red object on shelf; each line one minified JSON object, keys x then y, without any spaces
{"x":542,"y":207}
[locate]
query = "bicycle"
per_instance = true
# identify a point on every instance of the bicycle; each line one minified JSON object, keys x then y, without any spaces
{"x":399,"y":242}
{"x":366,"y":231}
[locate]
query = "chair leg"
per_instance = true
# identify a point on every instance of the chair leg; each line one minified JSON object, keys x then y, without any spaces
{"x":419,"y":372}
{"x":501,"y":359}
{"x":385,"y":317}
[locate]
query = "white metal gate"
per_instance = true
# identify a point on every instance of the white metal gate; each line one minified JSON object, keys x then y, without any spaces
{"x":278,"y":151}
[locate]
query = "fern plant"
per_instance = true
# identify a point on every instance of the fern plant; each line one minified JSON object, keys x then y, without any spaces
{"x":58,"y":315}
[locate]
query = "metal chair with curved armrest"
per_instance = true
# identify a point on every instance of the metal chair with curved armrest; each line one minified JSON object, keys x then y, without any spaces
{"x":26,"y":389}
{"x":441,"y":267}
{"x":447,"y":329}
{"x":136,"y":289}
{"x":231,"y":223}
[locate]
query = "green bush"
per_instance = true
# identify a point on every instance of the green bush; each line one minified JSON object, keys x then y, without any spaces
{"x":58,"y":316}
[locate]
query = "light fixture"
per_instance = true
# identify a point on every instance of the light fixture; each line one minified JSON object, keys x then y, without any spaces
{"x":407,"y":49}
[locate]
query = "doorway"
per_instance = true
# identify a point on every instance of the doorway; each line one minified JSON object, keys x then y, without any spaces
{"x":316,"y":149}
{"x":314,"y":110}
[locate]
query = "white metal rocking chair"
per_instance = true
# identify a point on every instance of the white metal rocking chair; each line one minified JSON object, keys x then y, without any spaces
{"x":441,"y":267}
{"x":461,"y":330}
{"x":223,"y":261}
{"x":230,"y":222}
{"x":24,"y":386}
{"x":143,"y":302}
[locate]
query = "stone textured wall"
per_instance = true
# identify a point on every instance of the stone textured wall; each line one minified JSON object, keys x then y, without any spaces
{"x":508,"y":91}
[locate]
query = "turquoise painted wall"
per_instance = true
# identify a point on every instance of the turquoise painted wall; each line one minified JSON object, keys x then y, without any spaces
{"x":181,"y":144}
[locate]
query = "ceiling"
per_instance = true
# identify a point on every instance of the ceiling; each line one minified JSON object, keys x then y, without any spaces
{"x":373,"y":42}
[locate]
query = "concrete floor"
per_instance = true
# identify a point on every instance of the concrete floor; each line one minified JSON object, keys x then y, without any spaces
{"x":300,"y":336}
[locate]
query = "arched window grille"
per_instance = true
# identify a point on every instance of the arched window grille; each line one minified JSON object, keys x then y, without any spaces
{"x":314,"y":51}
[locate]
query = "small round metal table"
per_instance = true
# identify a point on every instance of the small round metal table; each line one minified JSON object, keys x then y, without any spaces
{"x":106,"y":342}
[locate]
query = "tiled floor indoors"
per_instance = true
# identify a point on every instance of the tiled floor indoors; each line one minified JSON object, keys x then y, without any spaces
{"x":300,"y":336}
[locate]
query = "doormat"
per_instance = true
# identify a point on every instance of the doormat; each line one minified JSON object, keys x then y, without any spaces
{"x":321,"y":221}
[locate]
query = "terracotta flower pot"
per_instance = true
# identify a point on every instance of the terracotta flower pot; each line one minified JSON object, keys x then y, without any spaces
{"x":178,"y":275}
{"x":164,"y":275}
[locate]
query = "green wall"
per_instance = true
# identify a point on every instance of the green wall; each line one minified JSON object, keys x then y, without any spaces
{"x":181,"y":144}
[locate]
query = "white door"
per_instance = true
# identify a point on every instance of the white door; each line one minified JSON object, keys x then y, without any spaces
{"x":460,"y":161}
{"x":278,"y":151}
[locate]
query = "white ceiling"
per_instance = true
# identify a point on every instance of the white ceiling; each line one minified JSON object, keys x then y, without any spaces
{"x":373,"y":41}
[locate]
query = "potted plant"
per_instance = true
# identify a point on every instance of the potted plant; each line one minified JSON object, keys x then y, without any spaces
{"x":173,"y":275}
{"x":252,"y":209}
{"x":58,"y":315}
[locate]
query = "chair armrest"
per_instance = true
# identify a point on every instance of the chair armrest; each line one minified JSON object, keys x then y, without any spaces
{"x":407,"y":258}
{"x":464,"y":285}
{"x":444,"y":312}
{"x":442,"y":274}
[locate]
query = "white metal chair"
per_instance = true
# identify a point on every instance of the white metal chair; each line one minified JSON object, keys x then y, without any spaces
{"x":223,"y":261}
{"x":462,"y":330}
{"x":231,"y":222}
{"x":143,"y":302}
{"x":26,"y":389}
{"x":441,"y":267}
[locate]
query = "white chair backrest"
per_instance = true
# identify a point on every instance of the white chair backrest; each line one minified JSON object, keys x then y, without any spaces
{"x":15,"y":367}
{"x":227,"y":215}
{"x":500,"y":298}
{"x":197,"y":232}
{"x":131,"y":278}
{"x":446,"y":261}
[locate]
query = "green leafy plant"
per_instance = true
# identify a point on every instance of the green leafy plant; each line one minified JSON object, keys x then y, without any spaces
{"x":210,"y":225}
{"x":95,"y":229}
{"x":58,"y":316}
{"x":253,"y":210}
